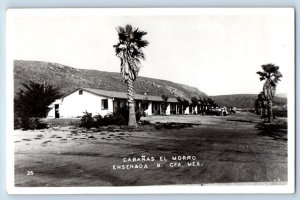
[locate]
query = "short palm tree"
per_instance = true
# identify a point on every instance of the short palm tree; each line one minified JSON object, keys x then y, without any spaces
{"x":129,"y":50}
{"x":34,"y":99}
{"x":272,"y":76}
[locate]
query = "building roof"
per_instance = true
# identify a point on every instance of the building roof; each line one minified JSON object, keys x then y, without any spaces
{"x":123,"y":95}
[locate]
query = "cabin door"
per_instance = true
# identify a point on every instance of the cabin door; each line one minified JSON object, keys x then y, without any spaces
{"x":56,"y":110}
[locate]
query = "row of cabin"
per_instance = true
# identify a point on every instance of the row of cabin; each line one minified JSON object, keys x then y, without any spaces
{"x":104,"y":102}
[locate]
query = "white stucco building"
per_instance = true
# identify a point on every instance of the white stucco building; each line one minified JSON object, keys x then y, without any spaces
{"x":103,"y":102}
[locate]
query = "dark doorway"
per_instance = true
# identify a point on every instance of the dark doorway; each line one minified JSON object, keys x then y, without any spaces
{"x":56,"y":110}
{"x":156,"y":108}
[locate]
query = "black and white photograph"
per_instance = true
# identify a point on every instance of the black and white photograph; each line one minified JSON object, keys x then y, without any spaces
{"x":156,"y":100}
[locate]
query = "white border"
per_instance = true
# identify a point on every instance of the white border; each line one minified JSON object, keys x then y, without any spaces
{"x":182,"y":189}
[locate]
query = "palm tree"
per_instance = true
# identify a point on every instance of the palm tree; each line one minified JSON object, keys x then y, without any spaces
{"x":34,"y":98}
{"x":31,"y":103}
{"x":129,"y":50}
{"x":271,"y":75}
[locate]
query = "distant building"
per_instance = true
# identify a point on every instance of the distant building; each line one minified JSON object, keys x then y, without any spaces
{"x":104,"y":102}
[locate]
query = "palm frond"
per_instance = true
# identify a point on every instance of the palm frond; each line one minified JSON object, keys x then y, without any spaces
{"x":128,"y":28}
{"x":129,"y":50}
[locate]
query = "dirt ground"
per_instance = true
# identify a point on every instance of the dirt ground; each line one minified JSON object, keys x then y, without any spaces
{"x":215,"y":149}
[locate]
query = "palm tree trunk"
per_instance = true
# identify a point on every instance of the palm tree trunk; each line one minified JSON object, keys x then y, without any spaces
{"x":270,"y":111}
{"x":132,"y":118}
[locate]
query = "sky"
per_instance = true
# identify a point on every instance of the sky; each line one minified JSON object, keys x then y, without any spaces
{"x":218,"y":51}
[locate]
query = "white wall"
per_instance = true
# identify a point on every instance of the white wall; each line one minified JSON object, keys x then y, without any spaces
{"x":74,"y":105}
{"x":168,"y":110}
{"x":149,"y":110}
{"x":187,"y":111}
{"x":196,"y":109}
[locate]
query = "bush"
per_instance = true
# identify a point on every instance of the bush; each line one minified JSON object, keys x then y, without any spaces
{"x":280,"y":113}
{"x":29,"y":123}
{"x":107,"y":120}
{"x":138,"y":115}
{"x":271,"y":128}
{"x":119,"y":117}
{"x":97,"y":120}
{"x":33,"y":99}
{"x":212,"y":112}
{"x":17,"y":123}
{"x":31,"y":104}
{"x":122,"y":114}
{"x":144,"y":122}
{"x":87,"y":121}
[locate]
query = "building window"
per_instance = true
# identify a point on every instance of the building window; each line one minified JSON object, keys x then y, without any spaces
{"x":104,"y":104}
{"x":80,"y":92}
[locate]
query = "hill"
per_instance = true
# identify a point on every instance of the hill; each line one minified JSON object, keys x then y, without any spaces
{"x":243,"y":100}
{"x":70,"y":79}
{"x":283,"y":95}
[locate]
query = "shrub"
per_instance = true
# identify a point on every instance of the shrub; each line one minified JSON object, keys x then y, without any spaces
{"x":122,"y":114}
{"x":138,"y":115}
{"x":87,"y":121}
{"x":110,"y":119}
{"x":119,"y":117}
{"x":144,"y":122}
{"x":271,"y":128}
{"x":34,"y":99}
{"x":213,"y":112}
{"x":97,"y":120}
{"x":279,"y":113}
{"x":31,"y":103}
{"x":17,"y":122}
{"x":29,"y":123}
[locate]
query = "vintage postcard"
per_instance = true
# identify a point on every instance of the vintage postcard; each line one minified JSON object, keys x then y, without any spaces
{"x":158,"y":100}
